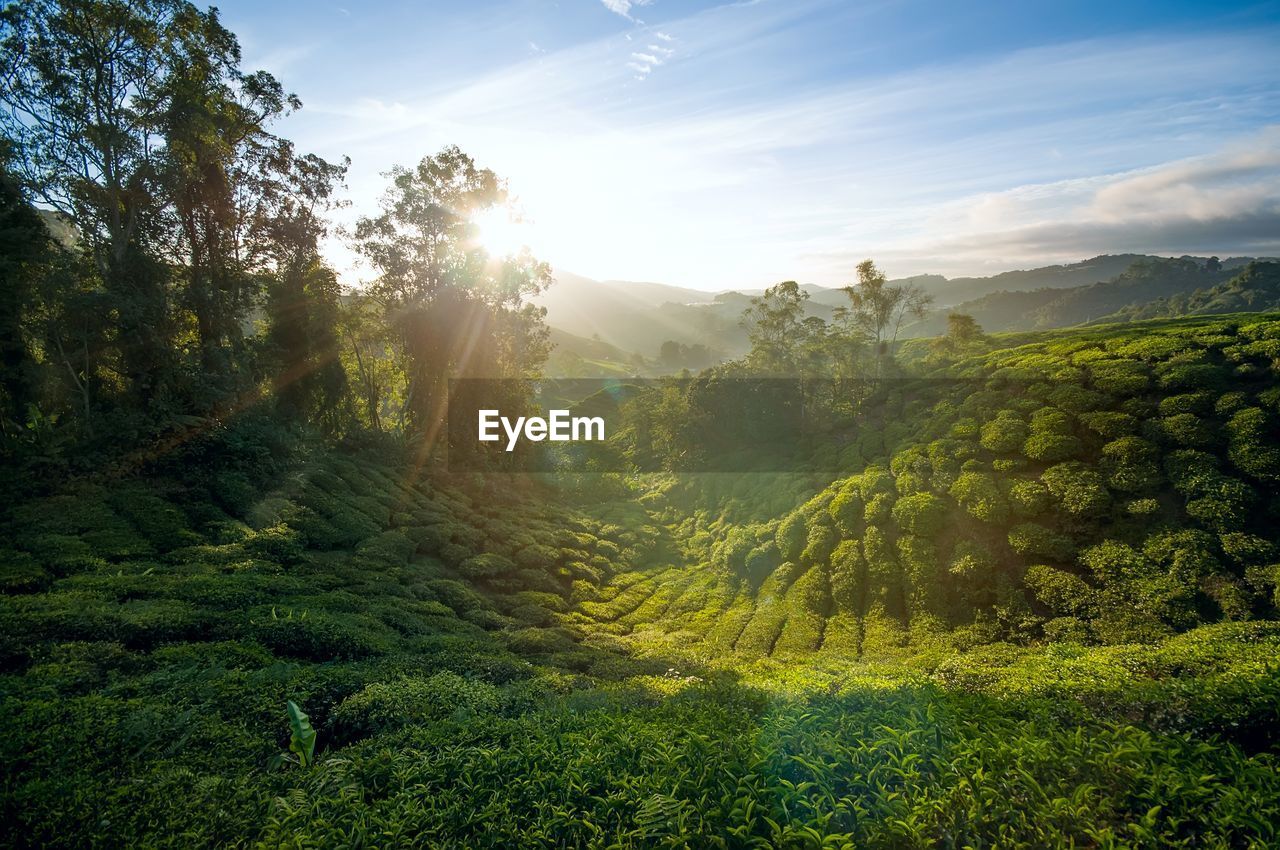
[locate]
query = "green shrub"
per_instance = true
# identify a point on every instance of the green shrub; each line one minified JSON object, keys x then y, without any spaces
{"x":1004,"y":434}
{"x":1110,"y":424}
{"x":1130,"y":464}
{"x":279,"y":543}
{"x":487,"y":566}
{"x":1029,"y":498}
{"x":388,"y":549}
{"x":921,"y":513}
{"x":1050,"y":448}
{"x":21,"y":573}
{"x":1032,"y":539}
{"x":1186,"y":429}
{"x":792,"y":536}
{"x":314,"y":635}
{"x":979,"y":494}
{"x":1064,"y":593}
{"x":385,"y":707}
{"x":846,"y":510}
{"x":1079,"y":490}
{"x":1112,"y":561}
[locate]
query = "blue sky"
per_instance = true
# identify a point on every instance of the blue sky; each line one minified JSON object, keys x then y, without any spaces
{"x":723,"y":145}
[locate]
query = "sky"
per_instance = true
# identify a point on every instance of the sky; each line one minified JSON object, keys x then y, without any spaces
{"x":735,"y":145}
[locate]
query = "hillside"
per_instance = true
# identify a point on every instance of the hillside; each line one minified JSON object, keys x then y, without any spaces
{"x":1167,"y":281}
{"x":949,"y":292}
{"x":335,"y":514}
{"x":639,"y":317}
{"x":1256,"y":289}
{"x":578,"y":357}
{"x":1042,"y":503}
{"x":1051,"y":582}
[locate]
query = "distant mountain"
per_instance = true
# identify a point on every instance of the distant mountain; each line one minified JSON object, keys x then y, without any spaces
{"x":829,"y":298}
{"x":1256,"y":289}
{"x":951,"y":291}
{"x":948,"y":292}
{"x":1149,"y":280}
{"x":637,"y":317}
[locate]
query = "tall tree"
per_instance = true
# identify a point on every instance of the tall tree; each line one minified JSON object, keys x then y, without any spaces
{"x":456,"y":311}
{"x":219,"y":162}
{"x":303,"y":296}
{"x":879,"y":309}
{"x":776,"y":328}
{"x":24,"y":250}
{"x":963,"y":336}
{"x":134,"y":121}
{"x":83,"y":82}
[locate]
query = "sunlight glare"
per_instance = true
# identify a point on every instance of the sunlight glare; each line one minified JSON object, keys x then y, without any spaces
{"x":500,"y":232}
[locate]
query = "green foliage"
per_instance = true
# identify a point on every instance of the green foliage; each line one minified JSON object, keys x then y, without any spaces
{"x":921,"y":514}
{"x":1063,"y":592}
{"x":949,"y":646}
{"x":302,"y":738}
{"x":1080,"y":491}
{"x":846,"y":510}
{"x":1130,"y":464}
{"x":791,"y":537}
{"x":979,"y":494}
{"x":1005,"y":434}
{"x":387,"y":707}
{"x":1035,"y":540}
{"x":1050,"y":448}
{"x":486,"y":566}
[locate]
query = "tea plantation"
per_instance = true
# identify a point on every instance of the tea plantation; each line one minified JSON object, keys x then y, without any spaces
{"x":1039,"y":612}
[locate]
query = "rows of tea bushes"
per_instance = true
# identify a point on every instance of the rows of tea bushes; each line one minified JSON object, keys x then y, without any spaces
{"x":1039,"y":613}
{"x":1104,"y":485}
{"x":805,"y":757}
{"x":152,"y":632}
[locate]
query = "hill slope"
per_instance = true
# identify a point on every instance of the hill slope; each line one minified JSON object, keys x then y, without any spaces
{"x":1058,"y":489}
{"x":639,"y":317}
{"x":636,"y":317}
{"x":1037,"y":612}
{"x":1255,"y":289}
{"x":1145,"y":282}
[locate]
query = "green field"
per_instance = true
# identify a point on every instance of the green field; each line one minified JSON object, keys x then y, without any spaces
{"x":1041,"y":618}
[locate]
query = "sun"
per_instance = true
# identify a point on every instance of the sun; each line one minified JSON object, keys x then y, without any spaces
{"x":500,"y":232}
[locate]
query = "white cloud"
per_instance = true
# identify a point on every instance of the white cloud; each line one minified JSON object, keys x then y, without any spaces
{"x":1225,"y":202}
{"x":624,"y":7}
{"x":1241,"y":178}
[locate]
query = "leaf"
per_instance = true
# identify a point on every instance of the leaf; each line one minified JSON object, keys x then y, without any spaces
{"x":303,"y":741}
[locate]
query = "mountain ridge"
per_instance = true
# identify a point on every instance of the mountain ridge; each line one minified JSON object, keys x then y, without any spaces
{"x":636,"y":317}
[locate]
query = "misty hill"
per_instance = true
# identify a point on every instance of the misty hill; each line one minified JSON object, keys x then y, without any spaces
{"x":639,"y":317}
{"x":574,"y":356}
{"x":951,"y":291}
{"x":947,"y":292}
{"x":1256,"y":289}
{"x":631,"y":318}
{"x":1148,"y":281}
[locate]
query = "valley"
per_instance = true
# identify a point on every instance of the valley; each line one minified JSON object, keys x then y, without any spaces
{"x":1044,"y":612}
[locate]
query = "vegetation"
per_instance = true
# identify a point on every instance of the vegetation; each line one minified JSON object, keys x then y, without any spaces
{"x":980,"y":590}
